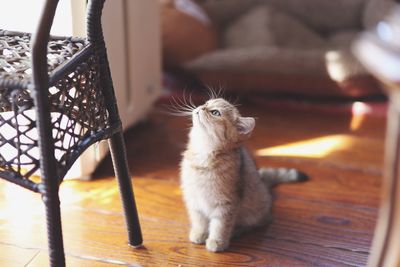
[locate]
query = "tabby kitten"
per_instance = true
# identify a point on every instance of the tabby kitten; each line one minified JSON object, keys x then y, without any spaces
{"x":223,"y":191}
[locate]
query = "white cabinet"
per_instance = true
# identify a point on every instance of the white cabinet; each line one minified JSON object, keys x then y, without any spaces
{"x":132,"y":33}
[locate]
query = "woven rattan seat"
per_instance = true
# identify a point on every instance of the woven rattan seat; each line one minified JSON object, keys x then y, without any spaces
{"x":15,"y":51}
{"x":57,"y":99}
{"x":76,"y":104}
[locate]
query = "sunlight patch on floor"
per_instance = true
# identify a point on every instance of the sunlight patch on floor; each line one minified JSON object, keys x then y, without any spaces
{"x":313,"y":148}
{"x":20,"y":210}
{"x":72,"y":194}
{"x":18,"y":204}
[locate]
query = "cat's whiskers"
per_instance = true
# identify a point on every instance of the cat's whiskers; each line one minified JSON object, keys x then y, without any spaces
{"x":180,"y":107}
{"x":185,"y":105}
{"x":191,"y":101}
{"x":214,"y":93}
{"x":188,"y":102}
{"x":211,"y":93}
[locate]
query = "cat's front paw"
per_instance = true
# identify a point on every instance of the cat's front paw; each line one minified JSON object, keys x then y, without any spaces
{"x":214,"y":245}
{"x":197,"y":236}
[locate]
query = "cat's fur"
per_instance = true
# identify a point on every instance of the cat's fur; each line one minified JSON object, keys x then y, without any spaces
{"x":223,"y":191}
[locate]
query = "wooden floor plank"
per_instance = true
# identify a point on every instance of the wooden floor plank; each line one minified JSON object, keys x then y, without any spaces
{"x":42,"y":260}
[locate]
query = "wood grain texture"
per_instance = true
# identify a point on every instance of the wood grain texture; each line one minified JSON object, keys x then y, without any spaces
{"x":14,"y":256}
{"x":77,"y":260}
{"x":327,"y":221}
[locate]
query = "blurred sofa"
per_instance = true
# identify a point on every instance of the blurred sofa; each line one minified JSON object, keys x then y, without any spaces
{"x":282,"y":46}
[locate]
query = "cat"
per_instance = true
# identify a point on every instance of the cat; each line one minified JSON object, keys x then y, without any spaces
{"x":224,"y":192}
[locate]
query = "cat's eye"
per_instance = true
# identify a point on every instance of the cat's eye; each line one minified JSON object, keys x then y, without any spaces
{"x":215,"y":112}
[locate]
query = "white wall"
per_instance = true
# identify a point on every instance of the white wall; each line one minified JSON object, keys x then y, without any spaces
{"x":23,"y":15}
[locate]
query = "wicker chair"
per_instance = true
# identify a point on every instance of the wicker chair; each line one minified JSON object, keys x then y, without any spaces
{"x":57,"y":99}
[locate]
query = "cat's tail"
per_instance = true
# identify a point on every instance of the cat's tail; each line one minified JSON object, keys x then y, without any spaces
{"x":274,"y":176}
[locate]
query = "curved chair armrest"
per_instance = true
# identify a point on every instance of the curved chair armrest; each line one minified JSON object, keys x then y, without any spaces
{"x":40,"y":37}
{"x":39,"y":41}
{"x":93,"y":27}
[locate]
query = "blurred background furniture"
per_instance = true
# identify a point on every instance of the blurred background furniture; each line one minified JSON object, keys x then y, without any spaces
{"x":57,"y":99}
{"x":379,"y":51}
{"x":134,"y":54}
{"x":278,"y":46}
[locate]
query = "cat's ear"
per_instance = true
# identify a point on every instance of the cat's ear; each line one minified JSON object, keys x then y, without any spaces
{"x":245,"y":126}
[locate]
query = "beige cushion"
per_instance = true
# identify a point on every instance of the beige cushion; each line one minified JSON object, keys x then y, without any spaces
{"x":324,"y":16}
{"x":266,"y":26}
{"x":262,"y":60}
{"x":335,"y":64}
{"x":224,"y":11}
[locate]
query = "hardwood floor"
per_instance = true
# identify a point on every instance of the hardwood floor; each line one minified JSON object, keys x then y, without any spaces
{"x":327,"y":221}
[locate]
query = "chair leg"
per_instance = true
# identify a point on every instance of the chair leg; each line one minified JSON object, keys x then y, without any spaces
{"x":118,"y":154}
{"x":54,"y":229}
